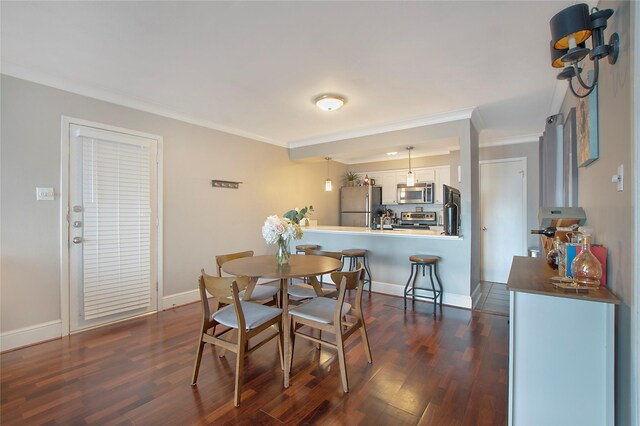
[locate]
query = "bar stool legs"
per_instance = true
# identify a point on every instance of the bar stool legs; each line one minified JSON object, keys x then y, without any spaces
{"x":422,"y":262}
{"x":355,"y":256}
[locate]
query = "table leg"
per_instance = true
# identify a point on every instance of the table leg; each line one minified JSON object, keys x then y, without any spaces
{"x":249,"y":290}
{"x":284,"y":288}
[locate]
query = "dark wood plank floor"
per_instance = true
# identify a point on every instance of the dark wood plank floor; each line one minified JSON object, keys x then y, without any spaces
{"x":451,"y":369}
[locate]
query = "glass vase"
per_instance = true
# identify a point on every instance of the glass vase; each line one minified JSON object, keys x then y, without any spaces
{"x":586,"y":268}
{"x":283,"y":254}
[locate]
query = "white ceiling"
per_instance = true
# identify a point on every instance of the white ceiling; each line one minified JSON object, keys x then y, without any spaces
{"x":253,"y":68}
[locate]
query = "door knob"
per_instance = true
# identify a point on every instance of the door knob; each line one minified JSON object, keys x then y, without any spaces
{"x":484,"y":228}
{"x":77,"y":240}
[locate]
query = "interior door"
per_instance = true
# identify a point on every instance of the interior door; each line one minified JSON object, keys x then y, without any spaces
{"x":112,"y":226}
{"x":502,"y":217}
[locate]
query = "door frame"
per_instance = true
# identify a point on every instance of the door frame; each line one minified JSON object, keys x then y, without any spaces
{"x":523,"y":161}
{"x":66,"y":122}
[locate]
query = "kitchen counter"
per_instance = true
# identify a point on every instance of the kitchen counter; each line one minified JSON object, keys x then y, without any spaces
{"x":389,"y":252}
{"x":409,"y":233}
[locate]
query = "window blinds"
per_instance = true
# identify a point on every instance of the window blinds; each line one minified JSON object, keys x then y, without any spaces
{"x":117,"y":226}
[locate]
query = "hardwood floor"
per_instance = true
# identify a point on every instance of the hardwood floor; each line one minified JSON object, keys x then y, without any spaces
{"x":494,"y":298}
{"x":451,"y":369}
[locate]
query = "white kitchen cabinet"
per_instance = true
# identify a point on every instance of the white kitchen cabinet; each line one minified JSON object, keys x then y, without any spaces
{"x":442,"y":177}
{"x":561,"y":350}
{"x":425,"y":176}
{"x":389,"y":188}
{"x":377,"y":177}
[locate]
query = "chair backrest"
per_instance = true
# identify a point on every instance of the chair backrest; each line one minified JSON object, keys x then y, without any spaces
{"x":353,"y":278}
{"x":223,"y":258}
{"x":334,"y":254}
{"x":349,"y":280}
{"x":221,"y":288}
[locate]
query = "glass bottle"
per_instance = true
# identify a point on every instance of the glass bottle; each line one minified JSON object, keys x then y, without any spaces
{"x":586,"y":268}
{"x":547,"y":232}
{"x":553,"y":255}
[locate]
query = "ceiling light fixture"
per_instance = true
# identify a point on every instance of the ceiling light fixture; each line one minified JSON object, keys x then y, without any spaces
{"x":327,"y":183}
{"x":570,"y":29}
{"x":329,"y":102}
{"x":410,"y":178}
{"x":392,"y":153}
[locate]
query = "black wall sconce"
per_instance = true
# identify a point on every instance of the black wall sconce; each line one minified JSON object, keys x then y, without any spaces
{"x":570,"y":29}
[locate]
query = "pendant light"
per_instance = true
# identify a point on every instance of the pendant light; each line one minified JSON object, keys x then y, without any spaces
{"x":410,"y":178}
{"x":327,"y":183}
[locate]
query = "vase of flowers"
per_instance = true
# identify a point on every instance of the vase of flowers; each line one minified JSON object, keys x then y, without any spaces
{"x":281,"y":230}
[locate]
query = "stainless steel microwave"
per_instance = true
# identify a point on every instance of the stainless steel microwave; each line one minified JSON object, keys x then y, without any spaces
{"x":420,"y":193}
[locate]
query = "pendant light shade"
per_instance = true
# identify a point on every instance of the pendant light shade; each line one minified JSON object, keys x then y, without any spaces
{"x":327,"y":183}
{"x":410,"y":177}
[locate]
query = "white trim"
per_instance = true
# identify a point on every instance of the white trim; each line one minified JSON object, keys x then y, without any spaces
{"x":66,"y":122}
{"x":475,"y":296}
{"x":184,"y":298}
{"x":446,"y":117}
{"x":30,"y":335}
{"x":18,"y":71}
{"x":511,"y":140}
{"x":449,"y":299}
{"x":559,"y":91}
{"x":478,"y":120}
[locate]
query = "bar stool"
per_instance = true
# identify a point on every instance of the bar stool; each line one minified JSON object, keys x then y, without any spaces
{"x":424,"y":261}
{"x":301,"y":248}
{"x":353,"y":255}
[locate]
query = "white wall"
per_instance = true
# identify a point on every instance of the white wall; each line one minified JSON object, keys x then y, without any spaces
{"x":199,"y":221}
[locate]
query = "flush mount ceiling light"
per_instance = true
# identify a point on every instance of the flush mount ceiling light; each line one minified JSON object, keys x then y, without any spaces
{"x":410,"y":178}
{"x":570,"y":29}
{"x":392,"y":153}
{"x":327,"y":183}
{"x":329,"y":102}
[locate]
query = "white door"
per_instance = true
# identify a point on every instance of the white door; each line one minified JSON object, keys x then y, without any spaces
{"x":502,"y":216}
{"x":112,"y":226}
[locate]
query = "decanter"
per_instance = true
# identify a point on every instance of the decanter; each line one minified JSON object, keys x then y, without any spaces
{"x":586,"y":268}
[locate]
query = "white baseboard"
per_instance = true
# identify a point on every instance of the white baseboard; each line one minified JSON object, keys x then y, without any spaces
{"x":30,"y":335}
{"x":191,"y":296}
{"x":178,"y":299}
{"x":451,"y":299}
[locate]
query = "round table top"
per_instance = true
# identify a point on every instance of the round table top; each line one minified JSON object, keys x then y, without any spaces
{"x":299,"y":265}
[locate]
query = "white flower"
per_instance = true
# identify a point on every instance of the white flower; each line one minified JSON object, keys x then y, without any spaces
{"x":276,"y":228}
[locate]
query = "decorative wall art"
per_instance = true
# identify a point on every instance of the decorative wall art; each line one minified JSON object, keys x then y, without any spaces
{"x":570,"y":163}
{"x":587,"y":125}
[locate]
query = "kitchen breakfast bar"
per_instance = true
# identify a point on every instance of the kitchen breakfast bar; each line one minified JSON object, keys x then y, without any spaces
{"x":389,"y":252}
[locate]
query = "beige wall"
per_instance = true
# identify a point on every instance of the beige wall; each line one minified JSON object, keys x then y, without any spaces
{"x":199,"y":221}
{"x":609,"y":212}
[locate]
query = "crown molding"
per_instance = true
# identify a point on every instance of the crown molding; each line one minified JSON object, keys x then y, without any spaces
{"x":511,"y":140}
{"x":461,"y":114}
{"x":45,"y":79}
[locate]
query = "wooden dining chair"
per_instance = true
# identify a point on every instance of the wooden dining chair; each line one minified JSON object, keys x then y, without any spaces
{"x":264,"y":292}
{"x":314,"y":288}
{"x":246,"y":318}
{"x":330,"y":315}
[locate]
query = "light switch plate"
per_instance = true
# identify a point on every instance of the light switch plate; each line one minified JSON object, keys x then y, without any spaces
{"x":44,"y":194}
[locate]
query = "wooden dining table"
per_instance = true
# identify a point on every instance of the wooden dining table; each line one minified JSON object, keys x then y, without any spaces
{"x":299,"y":266}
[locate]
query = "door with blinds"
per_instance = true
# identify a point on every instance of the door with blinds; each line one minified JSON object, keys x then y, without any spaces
{"x":112,"y":226}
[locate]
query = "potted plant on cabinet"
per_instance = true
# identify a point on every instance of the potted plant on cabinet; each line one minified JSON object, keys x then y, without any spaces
{"x":351,"y":179}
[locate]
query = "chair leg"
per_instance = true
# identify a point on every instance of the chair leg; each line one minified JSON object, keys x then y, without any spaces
{"x":280,"y":343}
{"x":413,"y":285}
{"x":318,"y":345}
{"x":365,"y":342}
{"x":292,"y":341}
{"x":341,"y":361}
{"x":196,"y":366}
{"x":239,"y":368}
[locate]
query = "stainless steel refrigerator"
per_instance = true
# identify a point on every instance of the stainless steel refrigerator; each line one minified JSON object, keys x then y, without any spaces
{"x":359,"y":205}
